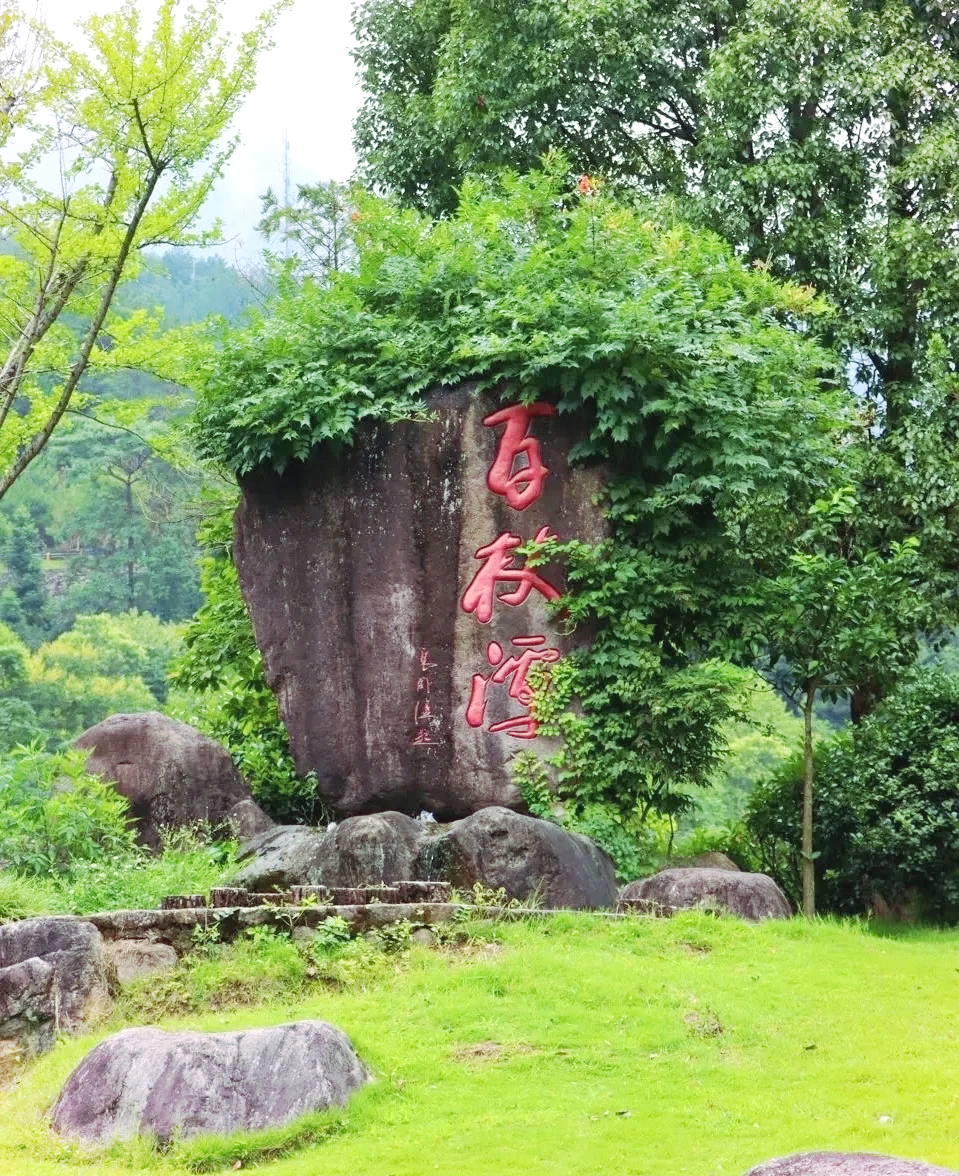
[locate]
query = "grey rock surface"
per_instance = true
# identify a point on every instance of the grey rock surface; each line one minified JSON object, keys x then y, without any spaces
{"x":133,"y":958}
{"x":172,"y":774}
{"x":362,"y":851}
{"x":527,"y":857}
{"x":355,"y":565}
{"x":751,"y":896}
{"x":713,"y":860}
{"x":284,"y":856}
{"x":497,"y":847}
{"x":146,"y":1081}
{"x":846,"y":1164}
{"x":54,"y":977}
{"x":247,"y":820}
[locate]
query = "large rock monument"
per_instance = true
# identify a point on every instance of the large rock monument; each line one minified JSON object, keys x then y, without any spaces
{"x":398,"y":624}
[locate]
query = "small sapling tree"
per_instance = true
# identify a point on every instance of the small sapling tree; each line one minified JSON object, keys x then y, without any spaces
{"x":834,"y":616}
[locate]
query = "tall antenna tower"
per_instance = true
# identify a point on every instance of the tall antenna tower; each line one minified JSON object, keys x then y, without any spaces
{"x":287,"y":191}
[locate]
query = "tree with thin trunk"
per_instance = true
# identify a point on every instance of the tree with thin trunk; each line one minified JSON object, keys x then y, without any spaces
{"x":835,"y":615}
{"x":135,"y":123}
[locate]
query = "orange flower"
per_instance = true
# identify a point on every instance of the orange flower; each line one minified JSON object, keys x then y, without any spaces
{"x":586,"y":185}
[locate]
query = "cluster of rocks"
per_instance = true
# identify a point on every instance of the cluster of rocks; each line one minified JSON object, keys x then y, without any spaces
{"x":57,"y":975}
{"x":496,"y":847}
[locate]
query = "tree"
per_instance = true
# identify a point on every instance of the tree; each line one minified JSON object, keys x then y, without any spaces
{"x":136,"y":124}
{"x":818,"y":139}
{"x":833,"y":616}
{"x":315,"y":227}
{"x":25,"y":569}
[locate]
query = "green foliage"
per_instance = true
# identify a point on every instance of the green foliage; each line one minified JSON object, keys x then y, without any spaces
{"x":54,"y":816}
{"x":189,"y":287}
{"x":817,"y":138}
{"x":67,"y":703}
{"x":768,"y":735}
{"x":219,"y":687}
{"x":315,"y":227}
{"x":619,"y":310}
{"x":134,"y":125}
{"x":839,"y":614}
{"x":887,"y":807}
{"x":130,"y":545}
{"x":134,"y":879}
{"x":695,"y":385}
{"x":24,"y":897}
{"x":26,"y":608}
{"x":127,"y":645}
{"x":330,"y":934}
{"x":632,"y":847}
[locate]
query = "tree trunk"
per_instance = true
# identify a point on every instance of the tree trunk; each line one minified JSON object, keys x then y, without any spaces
{"x":131,"y":561}
{"x":864,"y":700}
{"x":808,"y":864}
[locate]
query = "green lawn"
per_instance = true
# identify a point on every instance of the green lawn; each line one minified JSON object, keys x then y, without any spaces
{"x":695,"y":1045}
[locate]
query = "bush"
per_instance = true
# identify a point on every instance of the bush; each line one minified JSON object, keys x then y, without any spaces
{"x":886,"y":808}
{"x":54,"y":816}
{"x":634,"y":851}
{"x":129,"y":645}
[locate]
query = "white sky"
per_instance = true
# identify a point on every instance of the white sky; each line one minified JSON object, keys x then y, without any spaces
{"x":306,"y":88}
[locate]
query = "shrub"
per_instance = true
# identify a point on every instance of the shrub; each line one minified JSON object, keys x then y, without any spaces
{"x":887,"y":808}
{"x":54,"y":815}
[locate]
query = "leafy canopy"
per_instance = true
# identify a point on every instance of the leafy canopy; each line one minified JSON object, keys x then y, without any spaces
{"x":133,"y":124}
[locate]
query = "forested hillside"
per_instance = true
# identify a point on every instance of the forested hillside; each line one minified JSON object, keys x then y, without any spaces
{"x":99,"y":560}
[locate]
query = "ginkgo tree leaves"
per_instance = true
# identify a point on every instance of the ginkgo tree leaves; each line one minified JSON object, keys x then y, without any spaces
{"x":136,"y":122}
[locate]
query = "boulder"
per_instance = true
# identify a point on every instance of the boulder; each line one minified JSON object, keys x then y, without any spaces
{"x":284,"y":856}
{"x":362,"y":851}
{"x":751,"y":896}
{"x":133,"y":958}
{"x":247,"y":820}
{"x":847,"y":1164}
{"x":172,"y":775}
{"x":497,"y":847}
{"x":397,"y":624}
{"x":54,"y":977}
{"x":528,"y":857}
{"x":713,"y":860}
{"x":149,"y":1082}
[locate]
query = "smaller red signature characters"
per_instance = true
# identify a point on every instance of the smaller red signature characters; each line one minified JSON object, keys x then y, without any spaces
{"x":523,"y":486}
{"x":424,"y":722}
{"x":497,"y":568}
{"x":513,"y":669}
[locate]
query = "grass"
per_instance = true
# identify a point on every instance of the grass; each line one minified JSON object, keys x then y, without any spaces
{"x":643,"y":1048}
{"x":131,"y":880}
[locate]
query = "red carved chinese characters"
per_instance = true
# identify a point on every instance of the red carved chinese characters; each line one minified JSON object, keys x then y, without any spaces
{"x":423,"y":718}
{"x":514,"y":670}
{"x":520,"y":487}
{"x":497,"y":569}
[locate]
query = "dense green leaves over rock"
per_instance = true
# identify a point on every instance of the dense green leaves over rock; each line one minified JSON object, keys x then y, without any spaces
{"x":700,"y":387}
{"x":659,"y":331}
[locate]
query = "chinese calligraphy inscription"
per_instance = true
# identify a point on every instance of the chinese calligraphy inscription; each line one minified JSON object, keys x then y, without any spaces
{"x":517,"y":474}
